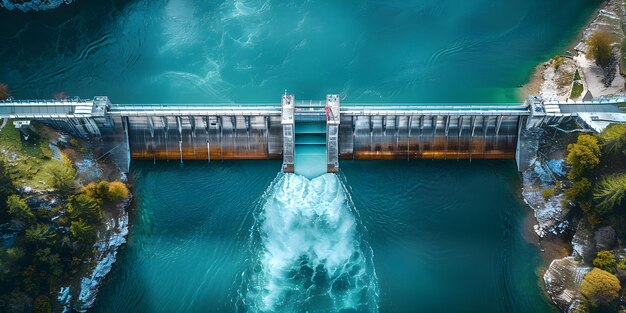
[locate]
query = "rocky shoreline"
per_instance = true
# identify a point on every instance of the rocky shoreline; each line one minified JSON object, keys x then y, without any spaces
{"x":32,"y":5}
{"x":111,"y":236}
{"x":77,"y":290}
{"x":555,"y":226}
{"x":554,"y":82}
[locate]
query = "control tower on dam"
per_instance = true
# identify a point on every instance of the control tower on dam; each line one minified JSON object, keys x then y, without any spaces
{"x":295,"y":131}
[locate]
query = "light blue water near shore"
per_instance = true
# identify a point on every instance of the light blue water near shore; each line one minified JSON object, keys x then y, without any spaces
{"x":389,"y":236}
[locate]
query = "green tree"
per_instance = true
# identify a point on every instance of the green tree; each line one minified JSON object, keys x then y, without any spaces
{"x":18,"y":209}
{"x":63,"y":175}
{"x":83,"y":231}
{"x":97,"y":191}
{"x":583,"y":155}
{"x":105,"y":191}
{"x":9,"y":263}
{"x":83,"y":207}
{"x":5,"y":192}
{"x":613,"y":138}
{"x":42,"y":304}
{"x":40,"y":234}
{"x":578,"y":190}
{"x":601,"y":290}
{"x":610,"y":191}
{"x":600,"y":48}
{"x":605,"y":260}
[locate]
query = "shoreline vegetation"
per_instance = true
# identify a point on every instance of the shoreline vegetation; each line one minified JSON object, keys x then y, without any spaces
{"x":63,"y":215}
{"x":567,"y":187}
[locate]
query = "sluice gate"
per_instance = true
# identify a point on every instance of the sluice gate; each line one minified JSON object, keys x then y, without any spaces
{"x":299,"y":132}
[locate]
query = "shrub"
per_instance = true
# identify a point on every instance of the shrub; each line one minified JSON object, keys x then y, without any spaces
{"x":576,"y":75}
{"x":605,"y":260}
{"x":601,"y":290}
{"x":600,"y":48}
{"x":74,"y":142}
{"x":105,"y":191}
{"x":97,"y":191}
{"x":558,"y":61}
{"x":578,"y":190}
{"x":117,"y":191}
{"x":622,"y":264}
{"x":583,"y":155}
{"x":591,"y":212}
{"x":547,"y":193}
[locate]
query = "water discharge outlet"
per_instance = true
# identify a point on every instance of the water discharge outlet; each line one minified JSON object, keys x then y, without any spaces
{"x":309,"y":252}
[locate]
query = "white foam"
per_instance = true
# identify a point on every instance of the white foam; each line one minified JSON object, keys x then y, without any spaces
{"x":311,"y":251}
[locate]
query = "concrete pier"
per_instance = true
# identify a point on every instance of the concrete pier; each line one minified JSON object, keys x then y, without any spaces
{"x":333,"y":119}
{"x":287,"y":121}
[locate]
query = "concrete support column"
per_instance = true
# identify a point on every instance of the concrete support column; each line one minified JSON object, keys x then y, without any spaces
{"x":287,"y":121}
{"x":126,"y":126}
{"x":537,"y":112}
{"x":498,"y":124}
{"x":332,"y":133}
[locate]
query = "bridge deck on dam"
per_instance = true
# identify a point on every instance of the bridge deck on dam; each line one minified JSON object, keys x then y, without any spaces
{"x":223,"y":131}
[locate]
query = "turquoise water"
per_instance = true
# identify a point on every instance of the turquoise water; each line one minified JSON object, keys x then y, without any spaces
{"x":444,"y":237}
{"x":238,"y":236}
{"x":164,"y":51}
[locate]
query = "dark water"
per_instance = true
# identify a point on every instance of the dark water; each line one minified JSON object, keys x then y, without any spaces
{"x":237,"y":236}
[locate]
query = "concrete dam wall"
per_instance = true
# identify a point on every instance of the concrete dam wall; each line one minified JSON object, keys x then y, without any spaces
{"x":428,"y":137}
{"x":360,"y":137}
{"x":204,"y":137}
{"x":304,"y":130}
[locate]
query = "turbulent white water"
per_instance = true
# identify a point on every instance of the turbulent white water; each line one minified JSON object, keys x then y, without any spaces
{"x":309,"y":254}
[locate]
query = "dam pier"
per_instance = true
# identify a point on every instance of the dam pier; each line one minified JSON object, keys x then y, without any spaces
{"x":297,"y":131}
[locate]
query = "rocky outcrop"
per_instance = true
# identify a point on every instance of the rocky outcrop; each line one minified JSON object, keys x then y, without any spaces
{"x":32,"y":5}
{"x":552,"y":217}
{"x":562,"y":280}
{"x":605,"y":238}
{"x":583,"y":243}
{"x":557,"y":79}
{"x":107,"y":248}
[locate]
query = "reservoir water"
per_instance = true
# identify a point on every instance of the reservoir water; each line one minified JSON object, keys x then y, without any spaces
{"x":419,"y":236}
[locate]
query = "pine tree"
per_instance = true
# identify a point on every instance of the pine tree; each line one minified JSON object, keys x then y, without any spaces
{"x":610,"y":191}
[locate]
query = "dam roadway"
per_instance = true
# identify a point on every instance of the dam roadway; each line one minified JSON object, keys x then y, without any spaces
{"x":291,"y":130}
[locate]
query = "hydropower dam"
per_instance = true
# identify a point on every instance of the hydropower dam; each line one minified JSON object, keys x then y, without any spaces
{"x":300,"y":132}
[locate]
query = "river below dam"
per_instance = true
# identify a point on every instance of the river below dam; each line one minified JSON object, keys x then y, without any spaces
{"x":382,"y":236}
